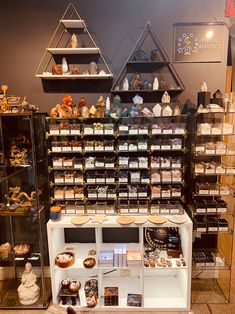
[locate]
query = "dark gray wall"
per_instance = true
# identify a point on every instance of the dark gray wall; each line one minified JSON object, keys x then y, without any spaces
{"x":27,"y":26}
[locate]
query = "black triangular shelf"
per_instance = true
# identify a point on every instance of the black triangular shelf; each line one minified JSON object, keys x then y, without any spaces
{"x":149,"y":68}
{"x":87,"y":51}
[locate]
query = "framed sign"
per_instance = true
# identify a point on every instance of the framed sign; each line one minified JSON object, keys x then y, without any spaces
{"x":199,"y":41}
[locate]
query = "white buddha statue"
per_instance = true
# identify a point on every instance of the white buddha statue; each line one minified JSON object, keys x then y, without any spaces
{"x":28,"y":290}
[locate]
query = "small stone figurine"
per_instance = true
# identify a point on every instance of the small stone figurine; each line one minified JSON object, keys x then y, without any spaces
{"x":74,"y":41}
{"x":125,"y":85}
{"x":203,"y":87}
{"x":28,"y":290}
{"x":64,"y":67}
{"x":166,"y":99}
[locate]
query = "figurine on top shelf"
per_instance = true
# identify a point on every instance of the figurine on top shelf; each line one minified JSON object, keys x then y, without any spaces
{"x":74,"y":41}
{"x":166,"y":99}
{"x":136,"y":82}
{"x":203,"y":87}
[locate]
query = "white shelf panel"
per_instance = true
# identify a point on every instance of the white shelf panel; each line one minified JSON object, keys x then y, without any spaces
{"x":65,"y":222}
{"x":73,"y":23}
{"x":73,"y":51}
{"x":163,"y":293}
{"x":74,"y":76}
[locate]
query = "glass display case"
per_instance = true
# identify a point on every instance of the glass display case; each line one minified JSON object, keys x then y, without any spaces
{"x":23,"y":212}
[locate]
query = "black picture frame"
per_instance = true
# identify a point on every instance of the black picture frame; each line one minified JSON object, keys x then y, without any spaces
{"x":199,"y":42}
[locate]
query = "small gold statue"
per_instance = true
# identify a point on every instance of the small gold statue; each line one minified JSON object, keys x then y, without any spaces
{"x":4,"y":105}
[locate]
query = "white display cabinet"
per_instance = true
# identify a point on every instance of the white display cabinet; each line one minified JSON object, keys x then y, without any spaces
{"x":161,"y":288}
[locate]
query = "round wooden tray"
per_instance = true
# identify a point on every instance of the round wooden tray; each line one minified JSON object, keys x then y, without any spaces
{"x":125,"y":220}
{"x":139,"y":220}
{"x":157,"y":219}
{"x":79,"y":220}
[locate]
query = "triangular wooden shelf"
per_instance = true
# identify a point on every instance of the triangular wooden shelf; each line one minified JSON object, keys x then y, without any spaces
{"x":87,"y":51}
{"x":148,"y":69}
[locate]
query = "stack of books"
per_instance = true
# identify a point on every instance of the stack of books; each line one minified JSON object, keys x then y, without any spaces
{"x":133,"y":258}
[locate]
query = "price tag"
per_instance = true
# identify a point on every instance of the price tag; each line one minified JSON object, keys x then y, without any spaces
{"x":132,"y":194}
{"x":142,"y":146}
{"x":133,"y":210}
{"x":133,"y":131}
{"x":164,"y":211}
{"x":70,"y":211}
{"x":123,"y":128}
{"x":79,"y":196}
{"x":155,"y":147}
{"x":68,"y":195}
{"x":210,"y":151}
{"x":99,"y":148}
{"x":156,"y":194}
{"x":102,"y":195}
{"x":90,"y":180}
{"x":142,"y":194}
{"x":201,"y":229}
{"x":167,"y":147}
{"x":68,"y":164}
{"x":179,"y":131}
{"x":109,"y":148}
{"x":64,"y":132}
{"x":109,"y":165}
{"x":177,"y":146}
{"x":77,"y":149}
{"x":100,"y":180}
{"x":89,"y":148}
{"x":209,"y":171}
{"x":155,"y":210}
{"x":99,"y":164}
{"x":75,"y":132}
{"x":99,"y":132}
{"x":56,"y":149}
{"x":145,"y":180}
{"x":214,"y":192}
{"x":222,"y":209}
{"x":79,"y":181}
{"x":68,"y":180}
{"x":176,"y":194}
{"x":167,"y":131}
{"x":54,"y":132}
{"x":88,"y":131}
{"x":60,"y":180}
{"x":92,"y":195}
{"x":112,"y":195}
{"x":122,"y":194}
{"x":203,"y":191}
{"x":165,"y":164}
{"x":200,"y":210}
{"x":123,"y":180}
{"x":143,"y":164}
{"x":211,"y":210}
{"x":176,"y":166}
{"x":66,"y":149}
{"x":143,"y":131}
{"x":110,"y":180}
{"x":143,"y":210}
{"x":224,"y":192}
{"x":108,"y":132}
{"x":223,"y":229}
{"x":133,"y":164}
{"x":156,"y":131}
{"x":220,"y":151}
{"x":213,"y":229}
{"x":132,"y":148}
{"x":124,"y":210}
{"x":123,"y":147}
{"x":200,"y":149}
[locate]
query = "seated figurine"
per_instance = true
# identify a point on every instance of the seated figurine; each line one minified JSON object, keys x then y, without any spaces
{"x":28,"y":290}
